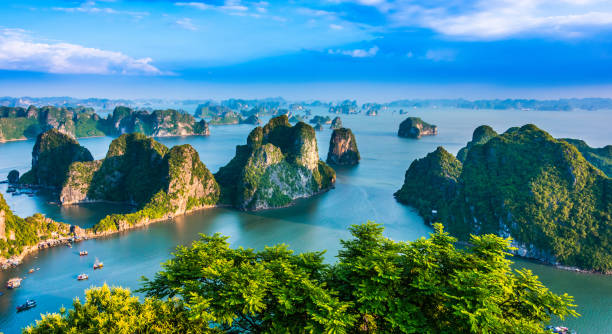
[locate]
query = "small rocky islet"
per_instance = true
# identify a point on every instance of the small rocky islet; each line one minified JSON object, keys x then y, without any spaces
{"x":524,"y":184}
{"x":415,"y":127}
{"x":343,"y":149}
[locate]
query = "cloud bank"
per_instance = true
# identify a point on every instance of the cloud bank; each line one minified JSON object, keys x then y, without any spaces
{"x":18,"y":51}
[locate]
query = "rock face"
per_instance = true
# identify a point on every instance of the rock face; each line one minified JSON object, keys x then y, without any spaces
{"x":481,"y":135}
{"x":159,"y":123}
{"x":136,"y":169}
{"x":336,"y":123}
{"x":525,"y":184}
{"x":414,"y":127}
{"x":599,"y":157}
{"x":52,"y":155}
{"x":431,"y":183}
{"x":343,"y":148}
{"x":13,"y":177}
{"x":279,"y":164}
{"x":318,"y":127}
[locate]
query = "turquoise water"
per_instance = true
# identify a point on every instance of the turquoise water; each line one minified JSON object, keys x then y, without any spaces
{"x":362,"y":193}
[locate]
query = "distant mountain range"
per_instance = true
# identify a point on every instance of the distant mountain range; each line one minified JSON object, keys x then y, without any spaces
{"x":107,"y":105}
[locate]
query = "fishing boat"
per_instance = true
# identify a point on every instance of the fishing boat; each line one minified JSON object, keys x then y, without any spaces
{"x":30,"y":303}
{"x":13,"y":283}
{"x":82,"y":277}
{"x":83,"y":253}
{"x":98,"y":265}
{"x":31,"y":270}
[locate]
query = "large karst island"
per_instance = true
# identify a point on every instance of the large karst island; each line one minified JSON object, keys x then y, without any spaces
{"x":17,"y":123}
{"x":541,"y":191}
{"x":279,"y":164}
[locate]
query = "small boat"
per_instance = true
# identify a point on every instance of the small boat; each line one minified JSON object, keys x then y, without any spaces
{"x":11,"y":190}
{"x":13,"y":283}
{"x":83,"y":253}
{"x":69,"y":245}
{"x":30,"y":303}
{"x":82,"y":277}
{"x":31,"y":271}
{"x":98,"y":265}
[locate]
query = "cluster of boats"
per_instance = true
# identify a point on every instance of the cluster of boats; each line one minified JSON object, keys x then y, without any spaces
{"x":21,"y":191}
{"x":560,"y":330}
{"x":15,"y":282}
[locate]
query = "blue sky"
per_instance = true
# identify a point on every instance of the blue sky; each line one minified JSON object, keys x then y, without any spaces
{"x":375,"y":49}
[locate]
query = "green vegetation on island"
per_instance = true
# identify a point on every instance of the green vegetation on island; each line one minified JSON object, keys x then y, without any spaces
{"x":414,"y":127}
{"x":138,"y":170}
{"x":599,"y":157}
{"x":525,"y":184}
{"x":18,"y":123}
{"x":17,"y":233}
{"x":52,"y":155}
{"x":481,"y":135}
{"x":377,"y":286}
{"x":279,"y":164}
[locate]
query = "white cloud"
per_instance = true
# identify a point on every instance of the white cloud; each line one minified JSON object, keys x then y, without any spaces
{"x":497,"y":19}
{"x":228,"y":5}
{"x":193,"y":4}
{"x":336,"y":26}
{"x":18,"y":51}
{"x":91,"y":8}
{"x":186,"y":23}
{"x":440,"y":55}
{"x":357,"y":53}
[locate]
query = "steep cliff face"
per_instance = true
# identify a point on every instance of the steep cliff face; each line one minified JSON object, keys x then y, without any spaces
{"x":343,"y":148}
{"x":190,"y":185}
{"x":136,"y":169}
{"x":481,"y":135}
{"x":534,"y":188}
{"x":279,"y":164}
{"x":51,"y":157}
{"x":414,"y":127}
{"x":431,"y":184}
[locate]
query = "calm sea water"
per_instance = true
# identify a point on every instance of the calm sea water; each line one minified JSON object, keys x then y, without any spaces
{"x":362,"y":193}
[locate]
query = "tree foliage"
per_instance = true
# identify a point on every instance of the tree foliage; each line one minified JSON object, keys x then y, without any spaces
{"x":377,"y":286}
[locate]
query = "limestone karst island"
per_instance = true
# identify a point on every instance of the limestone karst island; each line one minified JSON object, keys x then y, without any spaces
{"x":346,"y":167}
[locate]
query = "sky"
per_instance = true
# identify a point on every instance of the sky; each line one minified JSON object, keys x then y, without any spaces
{"x":327,"y":49}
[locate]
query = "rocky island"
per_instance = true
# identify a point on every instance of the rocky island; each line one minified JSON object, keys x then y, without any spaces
{"x":343,"y":148}
{"x":19,"y":236}
{"x":523,"y":184}
{"x":336,"y":123}
{"x":17,"y":123}
{"x":52,"y":155}
{"x":160,"y":182}
{"x":278,"y":164}
{"x":414,"y":127}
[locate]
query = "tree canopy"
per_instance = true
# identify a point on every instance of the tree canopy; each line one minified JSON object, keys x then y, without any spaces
{"x":377,"y":286}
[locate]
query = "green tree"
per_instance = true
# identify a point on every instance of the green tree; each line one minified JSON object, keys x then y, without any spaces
{"x":116,"y":310}
{"x":377,"y":286}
